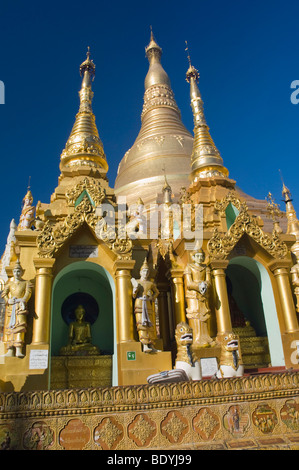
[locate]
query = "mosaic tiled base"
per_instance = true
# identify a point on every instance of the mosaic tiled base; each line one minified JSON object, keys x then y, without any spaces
{"x":249,"y":413}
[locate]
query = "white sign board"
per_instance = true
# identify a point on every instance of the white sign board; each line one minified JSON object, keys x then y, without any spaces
{"x":38,"y":359}
{"x":209,"y":366}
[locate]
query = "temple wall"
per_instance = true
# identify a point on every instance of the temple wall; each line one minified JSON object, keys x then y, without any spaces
{"x":252,"y":412}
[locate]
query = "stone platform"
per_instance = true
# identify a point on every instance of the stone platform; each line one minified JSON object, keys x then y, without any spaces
{"x":252,"y":412}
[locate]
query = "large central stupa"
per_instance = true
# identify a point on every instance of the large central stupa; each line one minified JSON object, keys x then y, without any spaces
{"x":163,"y":145}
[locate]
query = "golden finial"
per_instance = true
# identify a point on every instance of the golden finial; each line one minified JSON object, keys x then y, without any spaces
{"x":28,"y":195}
{"x":153,"y":48}
{"x":191,"y":72}
{"x":188,"y":54}
{"x":88,"y":65}
{"x":287,"y":197}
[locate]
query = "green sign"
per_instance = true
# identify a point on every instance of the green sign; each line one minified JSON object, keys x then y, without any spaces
{"x":131,"y":355}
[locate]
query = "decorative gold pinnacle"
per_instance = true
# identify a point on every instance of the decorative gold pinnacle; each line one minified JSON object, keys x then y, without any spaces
{"x":205,"y":159}
{"x":293,"y":223}
{"x":88,"y":65}
{"x":84,"y":147}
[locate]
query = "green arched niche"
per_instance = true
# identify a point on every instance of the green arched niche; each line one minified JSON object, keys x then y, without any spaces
{"x":252,"y":290}
{"x":95,"y":281}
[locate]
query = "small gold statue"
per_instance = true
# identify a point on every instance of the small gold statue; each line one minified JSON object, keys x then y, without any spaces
{"x":28,"y":211}
{"x":295,"y":282}
{"x":79,"y":337}
{"x":197,"y":283}
{"x":145,"y":292}
{"x":16,"y":294}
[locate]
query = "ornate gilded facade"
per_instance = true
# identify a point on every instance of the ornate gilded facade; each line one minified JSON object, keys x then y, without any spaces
{"x":173,"y":197}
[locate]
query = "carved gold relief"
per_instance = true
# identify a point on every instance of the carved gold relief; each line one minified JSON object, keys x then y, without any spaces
{"x":53,"y":236}
{"x":206,"y":424}
{"x":108,"y":433}
{"x":264,"y":418}
{"x":39,"y":437}
{"x":142,"y":430}
{"x":290,"y":415}
{"x":158,"y":95}
{"x":231,"y":197}
{"x":236,"y":421}
{"x":174,"y":427}
{"x":92,"y":186}
{"x":9,"y":436}
{"x":219,"y":246}
{"x":197,"y":415}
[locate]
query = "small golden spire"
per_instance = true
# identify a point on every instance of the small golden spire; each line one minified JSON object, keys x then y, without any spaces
{"x":293,"y":223}
{"x":87,"y":69}
{"x":205,"y":159}
{"x":28,"y":211}
{"x":191,"y":72}
{"x":84,"y":147}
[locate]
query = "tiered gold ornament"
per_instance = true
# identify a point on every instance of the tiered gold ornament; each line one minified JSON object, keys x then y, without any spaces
{"x":84,"y":147}
{"x":205,"y":160}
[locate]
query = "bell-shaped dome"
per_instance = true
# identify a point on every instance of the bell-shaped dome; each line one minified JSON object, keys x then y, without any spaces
{"x":163,"y":143}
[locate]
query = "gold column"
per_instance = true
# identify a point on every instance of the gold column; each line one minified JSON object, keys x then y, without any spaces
{"x":164,"y":315}
{"x":224,"y":324}
{"x":124,"y":300}
{"x":280,"y":270}
{"x":177,"y":277}
{"x":43,"y":291}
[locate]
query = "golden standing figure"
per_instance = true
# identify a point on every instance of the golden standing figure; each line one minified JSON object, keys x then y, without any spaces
{"x":16,"y":294}
{"x":198,"y":283}
{"x":145,"y":292}
{"x":295,"y":282}
{"x":28,"y":211}
{"x":79,"y":336}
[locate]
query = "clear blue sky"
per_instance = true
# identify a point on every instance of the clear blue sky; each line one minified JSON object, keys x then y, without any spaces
{"x":246,"y":52}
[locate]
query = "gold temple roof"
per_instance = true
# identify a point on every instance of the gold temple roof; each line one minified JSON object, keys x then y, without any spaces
{"x":163,"y":140}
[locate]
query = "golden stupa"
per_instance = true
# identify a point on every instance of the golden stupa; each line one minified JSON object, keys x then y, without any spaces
{"x":115,"y":336}
{"x":163,"y":143}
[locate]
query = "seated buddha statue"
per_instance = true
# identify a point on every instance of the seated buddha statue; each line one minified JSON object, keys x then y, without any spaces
{"x":79,"y":343}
